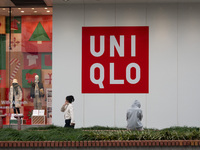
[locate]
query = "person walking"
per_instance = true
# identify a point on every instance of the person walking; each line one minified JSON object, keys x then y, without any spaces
{"x":68,"y":110}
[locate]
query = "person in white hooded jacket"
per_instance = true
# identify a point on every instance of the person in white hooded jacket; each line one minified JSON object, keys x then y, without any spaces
{"x":68,"y":110}
{"x":15,"y":96}
{"x":134,"y":117}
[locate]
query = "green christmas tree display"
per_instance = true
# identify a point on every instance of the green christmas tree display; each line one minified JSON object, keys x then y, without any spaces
{"x":39,"y":34}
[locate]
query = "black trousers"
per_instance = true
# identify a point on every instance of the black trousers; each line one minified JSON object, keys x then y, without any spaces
{"x":14,"y":108}
{"x":17,"y":110}
{"x":67,"y":123}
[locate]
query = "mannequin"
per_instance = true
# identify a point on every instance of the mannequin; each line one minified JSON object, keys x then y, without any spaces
{"x":37,"y":92}
{"x":15,"y":96}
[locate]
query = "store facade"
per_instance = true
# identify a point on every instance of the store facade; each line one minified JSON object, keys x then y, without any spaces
{"x":106,"y":54}
{"x":173,"y":96}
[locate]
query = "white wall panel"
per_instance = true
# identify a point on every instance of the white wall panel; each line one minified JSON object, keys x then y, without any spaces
{"x":188,"y":64}
{"x":99,"y":15}
{"x":131,"y":15}
{"x":99,"y":110}
{"x":162,"y":98}
{"x":67,"y":22}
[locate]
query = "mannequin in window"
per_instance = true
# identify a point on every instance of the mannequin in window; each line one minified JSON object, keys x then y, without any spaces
{"x":15,"y":96}
{"x":37,"y":92}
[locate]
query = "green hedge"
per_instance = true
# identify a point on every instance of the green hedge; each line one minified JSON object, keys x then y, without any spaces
{"x":54,"y":133}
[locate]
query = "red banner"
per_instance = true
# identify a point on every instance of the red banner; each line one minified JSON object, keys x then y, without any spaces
{"x":115,"y":59}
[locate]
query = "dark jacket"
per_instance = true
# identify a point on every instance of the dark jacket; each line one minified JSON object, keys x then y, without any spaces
{"x":40,"y":85}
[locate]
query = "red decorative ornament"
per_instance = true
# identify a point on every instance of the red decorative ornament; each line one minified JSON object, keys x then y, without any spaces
{"x":30,"y":77}
{"x":15,"y":42}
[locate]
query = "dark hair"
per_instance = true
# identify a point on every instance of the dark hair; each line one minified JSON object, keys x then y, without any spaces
{"x":70,"y":98}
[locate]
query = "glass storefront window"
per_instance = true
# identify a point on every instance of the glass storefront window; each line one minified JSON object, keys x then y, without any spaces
{"x":25,"y":55}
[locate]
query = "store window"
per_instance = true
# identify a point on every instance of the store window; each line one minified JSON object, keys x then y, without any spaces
{"x":26,"y":60}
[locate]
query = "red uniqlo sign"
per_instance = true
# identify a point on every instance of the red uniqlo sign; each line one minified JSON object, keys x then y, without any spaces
{"x":115,"y":59}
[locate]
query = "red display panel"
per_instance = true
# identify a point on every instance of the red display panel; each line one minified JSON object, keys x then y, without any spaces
{"x":36,"y":33}
{"x":115,"y":59}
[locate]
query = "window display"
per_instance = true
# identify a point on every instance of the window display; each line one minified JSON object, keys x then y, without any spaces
{"x":26,"y":68}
